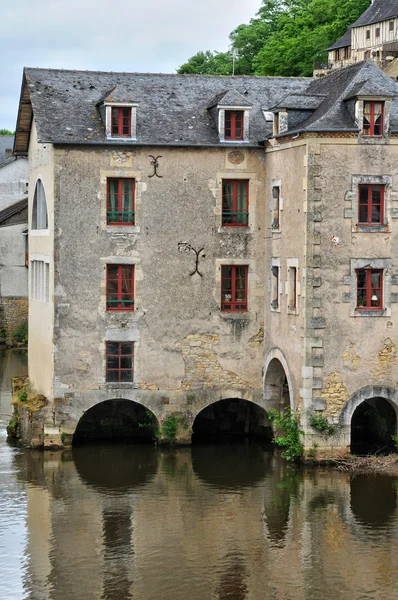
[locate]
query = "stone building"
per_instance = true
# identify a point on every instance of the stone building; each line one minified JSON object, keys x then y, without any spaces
{"x":198,"y":242}
{"x":13,"y":239}
{"x":373,"y":36}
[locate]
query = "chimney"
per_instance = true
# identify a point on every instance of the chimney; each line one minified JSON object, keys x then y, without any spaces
{"x":8,"y":152}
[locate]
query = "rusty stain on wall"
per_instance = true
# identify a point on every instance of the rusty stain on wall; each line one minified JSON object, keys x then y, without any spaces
{"x":335,"y":394}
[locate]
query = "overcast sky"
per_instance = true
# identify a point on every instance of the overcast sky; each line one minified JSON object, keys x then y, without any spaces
{"x":109,"y":35}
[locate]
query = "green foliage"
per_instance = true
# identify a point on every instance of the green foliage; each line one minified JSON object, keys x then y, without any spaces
{"x":12,"y":427}
{"x":320,"y":423}
{"x":6,"y":132}
{"x":23,"y":394}
{"x":287,"y":433}
{"x":3,"y":332}
{"x":312,"y":451}
{"x":170,"y":426}
{"x":20,"y":334}
{"x":64,"y":436}
{"x":285,"y":38}
{"x":395,"y":441}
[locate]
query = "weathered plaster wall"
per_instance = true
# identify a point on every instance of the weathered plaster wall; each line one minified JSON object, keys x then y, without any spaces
{"x":41,"y":165}
{"x":13,"y":272}
{"x":182,"y":340}
{"x":283,"y":327}
{"x":13,"y":182}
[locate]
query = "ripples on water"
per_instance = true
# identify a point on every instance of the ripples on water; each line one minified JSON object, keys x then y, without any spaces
{"x":129,"y":522}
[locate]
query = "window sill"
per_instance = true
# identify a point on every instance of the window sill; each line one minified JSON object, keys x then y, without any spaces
{"x":276,"y":230}
{"x":231,"y":229}
{"x":370,"y":313}
{"x":39,"y":232}
{"x":243,"y":315}
{"x":372,"y":229}
{"x":120,"y":385}
{"x":120,"y":138}
{"x":120,"y":229}
{"x":292,"y":311}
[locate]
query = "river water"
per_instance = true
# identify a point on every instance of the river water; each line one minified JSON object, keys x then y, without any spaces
{"x":220,"y":522}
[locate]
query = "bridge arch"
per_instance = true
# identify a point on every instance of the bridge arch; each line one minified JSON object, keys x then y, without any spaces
{"x":116,"y":419}
{"x":278,"y":383}
{"x":370,"y":419}
{"x":232,"y":417}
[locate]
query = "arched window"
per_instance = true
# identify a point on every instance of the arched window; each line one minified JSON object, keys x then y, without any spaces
{"x":39,"y":215}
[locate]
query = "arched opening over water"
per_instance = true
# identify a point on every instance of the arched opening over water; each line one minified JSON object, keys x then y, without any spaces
{"x":232,"y":419}
{"x":277,"y":387}
{"x":116,"y":420}
{"x":373,"y":424}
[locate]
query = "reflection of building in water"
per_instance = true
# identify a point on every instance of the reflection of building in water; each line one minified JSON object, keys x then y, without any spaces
{"x":173,"y":528}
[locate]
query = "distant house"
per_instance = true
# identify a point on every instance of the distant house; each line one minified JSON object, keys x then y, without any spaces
{"x":373,"y":36}
{"x":13,"y":241}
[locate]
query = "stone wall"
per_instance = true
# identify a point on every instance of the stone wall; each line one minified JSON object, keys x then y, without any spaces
{"x":13,"y":313}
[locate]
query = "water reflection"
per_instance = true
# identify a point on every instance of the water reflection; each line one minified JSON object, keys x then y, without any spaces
{"x":207,"y":522}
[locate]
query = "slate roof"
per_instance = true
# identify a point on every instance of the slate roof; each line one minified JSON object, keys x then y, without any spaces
{"x":301,"y":102}
{"x":230,"y":98}
{"x":380,"y":10}
{"x":360,"y":79}
{"x":8,"y":212}
{"x":6,"y":142}
{"x":172,"y":109}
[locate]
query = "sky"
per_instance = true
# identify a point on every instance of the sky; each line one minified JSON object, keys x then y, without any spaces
{"x":154,"y":36}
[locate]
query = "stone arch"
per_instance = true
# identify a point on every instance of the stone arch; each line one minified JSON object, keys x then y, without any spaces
{"x":116,"y":418}
{"x":39,"y":210}
{"x":231,"y":415}
{"x":366,"y":393}
{"x":369,"y":419}
{"x":276,"y":371}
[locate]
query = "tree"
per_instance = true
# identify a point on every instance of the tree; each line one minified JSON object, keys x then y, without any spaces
{"x":285,"y":38}
{"x":6,"y":132}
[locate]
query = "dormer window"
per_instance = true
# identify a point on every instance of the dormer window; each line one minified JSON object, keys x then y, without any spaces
{"x":121,"y":121}
{"x":234,"y":124}
{"x":373,"y":118}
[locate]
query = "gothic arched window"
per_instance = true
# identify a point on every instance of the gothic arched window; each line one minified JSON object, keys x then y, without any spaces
{"x":39,"y":215}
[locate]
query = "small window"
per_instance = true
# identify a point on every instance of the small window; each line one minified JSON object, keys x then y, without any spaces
{"x":40,"y":281}
{"x":119,"y":361}
{"x":371,"y":204}
{"x":276,"y":208}
{"x":121,"y":121}
{"x":292,"y":288}
{"x":377,"y":31}
{"x":235,"y":203}
{"x":120,"y":287}
{"x":234,"y":124}
{"x":39,"y":214}
{"x":373,"y":116}
{"x":120,"y":202}
{"x":368,"y":34}
{"x":369,"y":289}
{"x":391,"y":26}
{"x":275,"y":287}
{"x":234,"y":288}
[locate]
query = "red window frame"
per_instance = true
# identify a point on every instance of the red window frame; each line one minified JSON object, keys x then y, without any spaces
{"x":368,"y":290}
{"x":119,"y":216}
{"x":119,"y":362}
{"x":231,"y":215}
{"x":367,"y":203}
{"x":118,"y":278}
{"x":234,"y":284}
{"x":234,"y":124}
{"x":371,"y":128}
{"x":121,"y":121}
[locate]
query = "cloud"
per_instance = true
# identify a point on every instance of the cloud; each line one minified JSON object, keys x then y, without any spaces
{"x":154,"y":36}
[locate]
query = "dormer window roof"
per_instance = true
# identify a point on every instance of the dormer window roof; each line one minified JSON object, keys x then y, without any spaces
{"x":118,"y":112}
{"x":230,"y":111}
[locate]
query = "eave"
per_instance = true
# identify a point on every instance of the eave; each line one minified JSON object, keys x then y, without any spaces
{"x":24,"y":121}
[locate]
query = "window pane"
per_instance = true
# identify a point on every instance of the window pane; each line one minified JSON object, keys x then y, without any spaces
{"x":126,"y":348}
{"x":112,"y":271}
{"x":363,"y":213}
{"x":227,"y":195}
{"x":112,"y":347}
{"x":375,"y":278}
{"x":112,"y":362}
{"x":126,"y":376}
{"x":112,"y":376}
{"x":361,"y":278}
{"x":126,"y":362}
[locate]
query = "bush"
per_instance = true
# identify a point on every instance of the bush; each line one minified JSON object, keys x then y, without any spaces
{"x":20,"y":334}
{"x":287,"y":433}
{"x":320,"y":423}
{"x":170,"y":426}
{"x":23,"y":395}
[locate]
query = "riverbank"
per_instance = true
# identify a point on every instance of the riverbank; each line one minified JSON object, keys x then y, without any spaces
{"x":361,"y":465}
